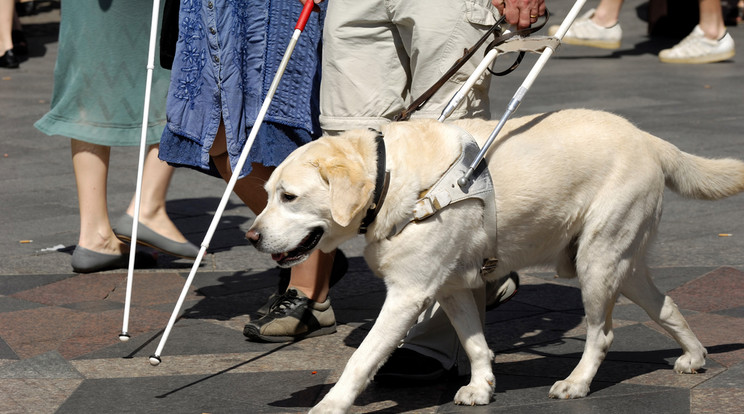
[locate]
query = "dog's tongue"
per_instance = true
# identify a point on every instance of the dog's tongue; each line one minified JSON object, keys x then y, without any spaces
{"x":278,"y":256}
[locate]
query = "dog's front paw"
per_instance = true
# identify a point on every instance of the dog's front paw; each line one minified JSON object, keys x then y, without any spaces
{"x":566,"y":389}
{"x":325,"y":407}
{"x":689,"y":363}
{"x":476,"y":393}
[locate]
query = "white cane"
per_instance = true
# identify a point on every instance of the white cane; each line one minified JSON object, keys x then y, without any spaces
{"x":299,"y":27}
{"x":517,"y":98}
{"x":124,"y":336}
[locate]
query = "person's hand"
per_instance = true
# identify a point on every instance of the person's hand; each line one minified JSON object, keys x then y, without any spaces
{"x":521,"y":13}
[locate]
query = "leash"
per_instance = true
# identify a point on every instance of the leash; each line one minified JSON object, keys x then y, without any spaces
{"x":521,"y":33}
{"x":468,"y":53}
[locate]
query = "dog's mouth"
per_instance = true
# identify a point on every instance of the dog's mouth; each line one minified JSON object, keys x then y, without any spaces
{"x":299,"y":253}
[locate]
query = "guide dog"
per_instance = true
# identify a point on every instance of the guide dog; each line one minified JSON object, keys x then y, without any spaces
{"x":580,"y":190}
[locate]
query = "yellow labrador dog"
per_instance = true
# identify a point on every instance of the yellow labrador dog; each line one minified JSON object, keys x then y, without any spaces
{"x":579,"y":190}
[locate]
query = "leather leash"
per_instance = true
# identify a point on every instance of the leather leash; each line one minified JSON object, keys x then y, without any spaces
{"x":468,"y":53}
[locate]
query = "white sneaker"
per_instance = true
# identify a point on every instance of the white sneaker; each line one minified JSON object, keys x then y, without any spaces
{"x":585,"y":32}
{"x":696,"y":48}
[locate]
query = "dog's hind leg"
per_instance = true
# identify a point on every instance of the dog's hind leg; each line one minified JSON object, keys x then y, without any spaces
{"x":641,"y":289}
{"x":462,"y":310}
{"x":598,"y":291}
{"x":398,"y":314}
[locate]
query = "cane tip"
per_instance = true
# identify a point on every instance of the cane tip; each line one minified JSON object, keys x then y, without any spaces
{"x":124,"y":337}
{"x":154,"y":360}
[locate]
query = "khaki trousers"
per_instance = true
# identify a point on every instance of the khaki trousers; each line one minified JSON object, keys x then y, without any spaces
{"x":380,"y":55}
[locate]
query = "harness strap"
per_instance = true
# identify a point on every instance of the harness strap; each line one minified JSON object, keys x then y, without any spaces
{"x":446,"y":191}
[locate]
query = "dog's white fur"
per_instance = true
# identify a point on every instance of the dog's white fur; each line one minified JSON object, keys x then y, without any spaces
{"x":577,"y":189}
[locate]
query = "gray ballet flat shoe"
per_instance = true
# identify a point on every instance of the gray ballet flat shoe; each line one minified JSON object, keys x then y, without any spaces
{"x":147,"y":237}
{"x":87,"y":261}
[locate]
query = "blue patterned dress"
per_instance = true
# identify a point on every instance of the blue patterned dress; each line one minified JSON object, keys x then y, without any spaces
{"x":227,"y":54}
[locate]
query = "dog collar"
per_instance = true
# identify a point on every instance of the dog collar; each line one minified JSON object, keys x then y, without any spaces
{"x":381,"y":185}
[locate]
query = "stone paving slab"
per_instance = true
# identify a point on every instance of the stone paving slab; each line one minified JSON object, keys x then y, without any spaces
{"x":208,"y":366}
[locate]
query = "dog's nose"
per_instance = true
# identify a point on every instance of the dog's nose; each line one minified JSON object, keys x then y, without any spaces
{"x":253,"y":236}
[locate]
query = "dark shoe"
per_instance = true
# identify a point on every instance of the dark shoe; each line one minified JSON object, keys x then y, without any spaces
{"x":408,"y":367}
{"x":293,"y":317}
{"x":20,"y":44}
{"x":147,"y":237}
{"x":339,"y":269}
{"x":9,"y":60}
{"x":499,"y":291}
{"x":88,"y":261}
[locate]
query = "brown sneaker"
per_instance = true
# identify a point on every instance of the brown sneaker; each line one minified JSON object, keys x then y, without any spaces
{"x":339,"y":269}
{"x":292,"y":317}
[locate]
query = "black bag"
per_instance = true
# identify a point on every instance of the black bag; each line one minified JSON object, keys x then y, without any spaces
{"x":169,"y":33}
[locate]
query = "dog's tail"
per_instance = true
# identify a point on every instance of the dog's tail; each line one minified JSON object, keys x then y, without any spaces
{"x":698,"y":177}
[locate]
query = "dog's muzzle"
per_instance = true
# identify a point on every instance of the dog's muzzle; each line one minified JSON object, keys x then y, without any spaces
{"x":294,"y":256}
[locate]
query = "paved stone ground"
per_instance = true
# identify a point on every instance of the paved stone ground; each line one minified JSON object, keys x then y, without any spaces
{"x":59,"y":350}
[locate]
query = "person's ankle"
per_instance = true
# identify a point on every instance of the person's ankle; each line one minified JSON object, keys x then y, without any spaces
{"x":713,"y":32}
{"x":103,"y":245}
{"x":604,"y":20}
{"x":158,"y":221}
{"x":313,"y":294}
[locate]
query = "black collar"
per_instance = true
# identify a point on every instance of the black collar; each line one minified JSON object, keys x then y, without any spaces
{"x":381,"y":185}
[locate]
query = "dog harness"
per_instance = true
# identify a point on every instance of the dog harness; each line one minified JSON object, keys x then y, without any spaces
{"x":446,"y":191}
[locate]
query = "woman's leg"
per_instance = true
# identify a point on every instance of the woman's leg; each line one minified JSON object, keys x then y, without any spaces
{"x":711,"y":19}
{"x":6,"y":25}
{"x":156,"y":176}
{"x":607,"y":12}
{"x":250,"y":188}
{"x":90,"y":163}
{"x":311,"y":276}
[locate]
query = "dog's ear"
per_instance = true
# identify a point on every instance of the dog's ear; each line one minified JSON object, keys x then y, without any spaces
{"x":350,"y":190}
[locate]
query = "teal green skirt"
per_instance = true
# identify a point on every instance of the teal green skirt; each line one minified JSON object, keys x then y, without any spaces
{"x":101,"y":73}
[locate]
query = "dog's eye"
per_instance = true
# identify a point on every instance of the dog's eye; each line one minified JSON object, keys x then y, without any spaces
{"x":288,"y":197}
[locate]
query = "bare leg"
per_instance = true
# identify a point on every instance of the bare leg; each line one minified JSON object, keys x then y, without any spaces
{"x":607,"y":12}
{"x":90,"y":162}
{"x":711,"y":19}
{"x":312,"y":276}
{"x":6,"y":25}
{"x":156,"y":178}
